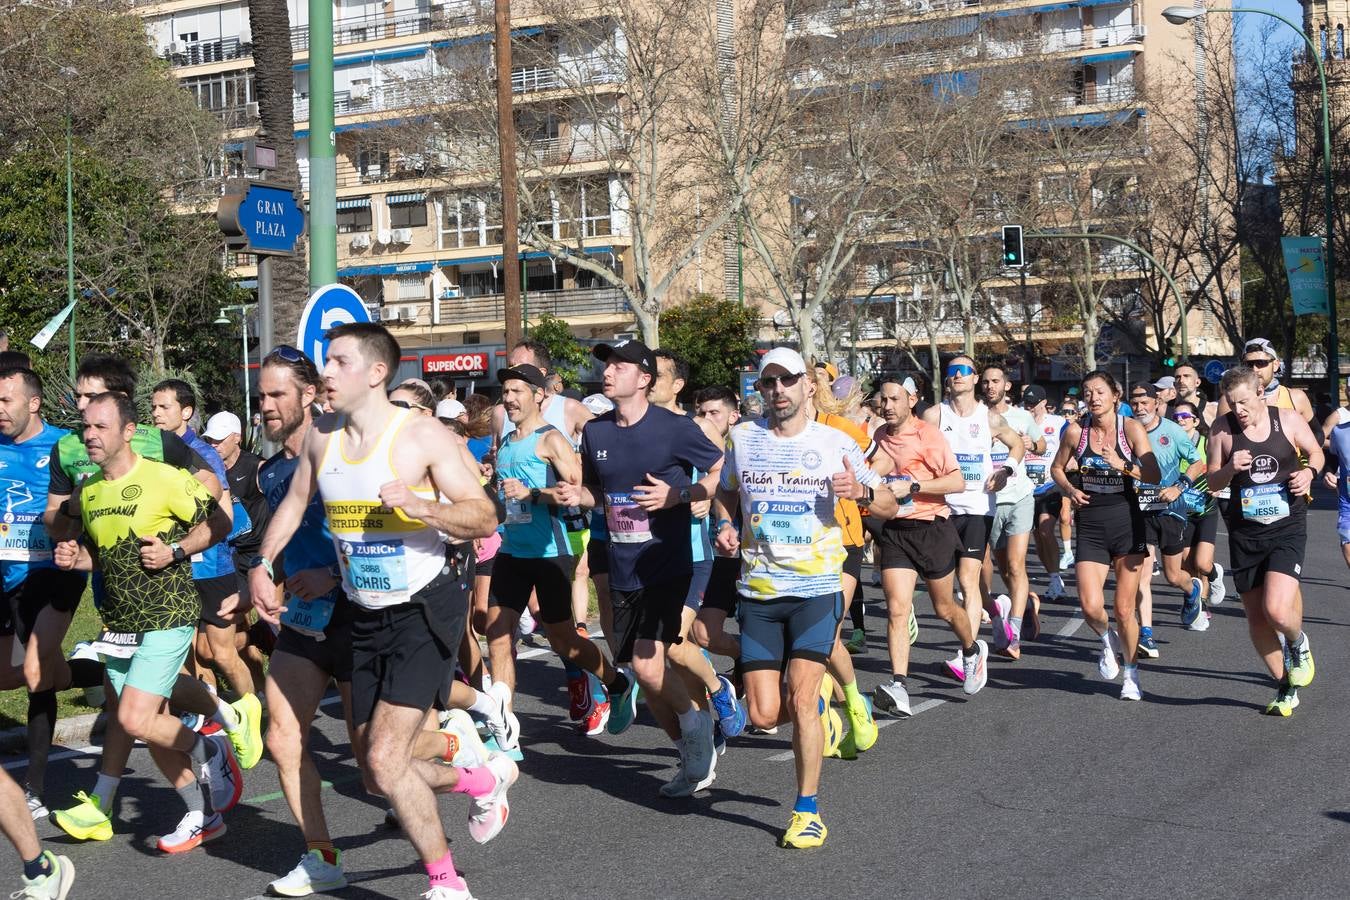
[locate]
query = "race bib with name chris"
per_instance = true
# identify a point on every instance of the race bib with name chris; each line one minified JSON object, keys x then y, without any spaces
{"x":376,"y":572}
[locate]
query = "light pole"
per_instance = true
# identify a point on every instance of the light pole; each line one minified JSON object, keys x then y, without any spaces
{"x":1180,"y":15}
{"x":68,"y":73}
{"x":224,"y":319}
{"x":1117,"y":239}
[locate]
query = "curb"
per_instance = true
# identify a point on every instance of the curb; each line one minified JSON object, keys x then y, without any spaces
{"x":74,"y":732}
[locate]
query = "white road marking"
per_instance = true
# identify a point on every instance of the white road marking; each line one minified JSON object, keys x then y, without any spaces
{"x":1070,"y":628}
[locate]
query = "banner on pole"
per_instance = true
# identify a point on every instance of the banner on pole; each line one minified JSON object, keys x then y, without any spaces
{"x":43,"y":337}
{"x":1304,"y":265}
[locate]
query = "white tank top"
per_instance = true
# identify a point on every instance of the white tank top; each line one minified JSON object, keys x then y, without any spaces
{"x":972,"y":442}
{"x":554,"y":412}
{"x":385,"y":556}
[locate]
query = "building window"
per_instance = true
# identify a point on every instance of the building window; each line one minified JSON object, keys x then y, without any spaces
{"x":355,"y":217}
{"x":412,"y":287}
{"x":408,"y":215}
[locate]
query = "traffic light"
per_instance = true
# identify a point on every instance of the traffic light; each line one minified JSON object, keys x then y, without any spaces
{"x":1013,"y":256}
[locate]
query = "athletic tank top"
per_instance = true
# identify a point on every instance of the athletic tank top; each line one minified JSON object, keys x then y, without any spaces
{"x":1037,"y":465}
{"x":1339,"y":438}
{"x":385,"y":556}
{"x":972,"y":443}
{"x":1282,"y":399}
{"x":532,"y":530}
{"x":1263,"y":490}
{"x":554,"y":412}
{"x":1095,"y":475}
{"x":699,"y":539}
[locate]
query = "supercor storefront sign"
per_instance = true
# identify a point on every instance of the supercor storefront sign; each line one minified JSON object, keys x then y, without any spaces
{"x":459,"y":365}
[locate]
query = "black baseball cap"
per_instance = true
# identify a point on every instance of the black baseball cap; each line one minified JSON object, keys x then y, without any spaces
{"x":634,"y":352}
{"x":1032,"y":394}
{"x":1145,"y":388}
{"x":526,"y":373}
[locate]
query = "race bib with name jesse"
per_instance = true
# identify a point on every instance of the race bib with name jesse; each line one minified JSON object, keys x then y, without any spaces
{"x":1265,"y":504}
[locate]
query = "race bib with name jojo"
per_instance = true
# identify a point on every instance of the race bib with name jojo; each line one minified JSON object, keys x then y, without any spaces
{"x":375,"y":571}
{"x":23,"y":538}
{"x":1265,"y":504}
{"x":309,"y":617}
{"x":119,"y":644}
{"x":972,"y":469}
{"x":789,"y":522}
{"x":628,"y":523}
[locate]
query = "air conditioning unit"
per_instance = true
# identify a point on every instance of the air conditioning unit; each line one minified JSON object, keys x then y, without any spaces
{"x":360,"y":91}
{"x":400,"y":236}
{"x":251,"y":110}
{"x":383,"y":237}
{"x":390,"y":313}
{"x":408,"y":313}
{"x":360,"y":242}
{"x":626,"y":336}
{"x":173,"y":48}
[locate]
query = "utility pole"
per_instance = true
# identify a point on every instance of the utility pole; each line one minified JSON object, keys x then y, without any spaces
{"x":506,"y":145}
{"x":322,"y":148}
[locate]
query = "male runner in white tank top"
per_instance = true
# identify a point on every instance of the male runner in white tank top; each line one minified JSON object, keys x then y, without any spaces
{"x":394,"y":486}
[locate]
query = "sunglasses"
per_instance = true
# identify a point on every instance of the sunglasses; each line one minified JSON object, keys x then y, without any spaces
{"x":774,"y":381}
{"x":286,"y":353}
{"x":960,"y":370}
{"x":404,"y":404}
{"x":1182,"y":416}
{"x":1257,"y":363}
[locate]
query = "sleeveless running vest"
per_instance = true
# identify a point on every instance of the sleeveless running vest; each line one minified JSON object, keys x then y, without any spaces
{"x":1095,"y":475}
{"x":1263,"y":490}
{"x":532,"y":530}
{"x":1339,"y":438}
{"x":972,"y":443}
{"x":385,"y":556}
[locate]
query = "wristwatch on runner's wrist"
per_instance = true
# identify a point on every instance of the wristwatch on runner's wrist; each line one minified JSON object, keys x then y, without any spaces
{"x":685,"y":496}
{"x":178,"y":554}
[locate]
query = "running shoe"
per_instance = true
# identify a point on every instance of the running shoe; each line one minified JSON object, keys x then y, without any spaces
{"x":876,"y":577}
{"x":441,"y":892}
{"x":998,"y":621}
{"x":804,"y":831}
{"x":1190,"y":606}
{"x":719,"y":739}
{"x":1201,"y":622}
{"x":595,"y":720}
{"x":956,"y":666}
{"x":1107,"y":665}
{"x":1031,"y":619}
{"x":857,"y":642}
{"x":221,"y":775}
{"x":862,"y":727}
{"x":1299,"y":664}
{"x":1148,"y":647}
{"x":312,"y":875}
{"x":86,"y":820}
{"x":700,"y":756}
{"x":1285,"y":701}
{"x":527,"y":624}
{"x":1056,"y":589}
{"x":578,"y":697}
{"x":191,"y":834}
{"x":192,"y":721}
{"x":677,"y":786}
{"x":976,"y":669}
{"x":730,"y":713}
{"x":1129,"y":686}
{"x":830,"y":721}
{"x":913,"y":627}
{"x":55,"y":885}
{"x":470,"y":752}
{"x":892,"y":699}
{"x":1066,"y":558}
{"x":624,"y":709}
{"x":247,"y":738}
{"x":503,"y":724}
{"x":488,"y":815}
{"x":36,"y":808}
{"x":1217,"y":589}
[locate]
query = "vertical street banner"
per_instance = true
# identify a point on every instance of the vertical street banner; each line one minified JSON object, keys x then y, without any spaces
{"x":1307,"y":273}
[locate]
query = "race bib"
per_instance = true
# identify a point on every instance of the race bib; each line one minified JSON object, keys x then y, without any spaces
{"x":789,"y":522}
{"x":375,"y":571}
{"x":1149,"y":499}
{"x":23,"y":538}
{"x":518,"y":512}
{"x":972,"y":469}
{"x":627,"y":522}
{"x":1096,"y":480}
{"x":1265,"y":504}
{"x":1036,"y":470}
{"x":899,"y":485}
{"x":120,"y":644}
{"x":309,"y":617}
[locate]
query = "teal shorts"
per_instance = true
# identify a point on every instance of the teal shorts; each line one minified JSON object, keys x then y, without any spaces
{"x":154,"y":666}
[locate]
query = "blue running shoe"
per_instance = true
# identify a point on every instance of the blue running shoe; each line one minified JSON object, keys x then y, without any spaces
{"x":1148,"y":647}
{"x":623,"y":708}
{"x":730,"y":713}
{"x":719,"y":739}
{"x":1190,"y":607}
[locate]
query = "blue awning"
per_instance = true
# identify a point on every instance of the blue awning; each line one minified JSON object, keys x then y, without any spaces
{"x":303,"y":133}
{"x":485,"y":38}
{"x":1024,"y":11}
{"x":533,"y":254}
{"x":386,"y":269}
{"x":1084,"y":120}
{"x":1102,"y":2}
{"x":1107,"y":57}
{"x":357,"y":59}
{"x":352,"y":202}
{"x":401,"y":199}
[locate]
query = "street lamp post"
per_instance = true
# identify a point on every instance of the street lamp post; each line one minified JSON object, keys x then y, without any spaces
{"x":224,"y":319}
{"x":69,"y":73}
{"x":1180,"y":15}
{"x":1117,"y":239}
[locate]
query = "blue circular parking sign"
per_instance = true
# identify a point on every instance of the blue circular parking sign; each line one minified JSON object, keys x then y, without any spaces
{"x":1214,"y":370}
{"x":328,"y":307}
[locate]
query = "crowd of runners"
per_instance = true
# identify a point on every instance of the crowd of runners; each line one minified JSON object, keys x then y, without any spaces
{"x":400,"y":543}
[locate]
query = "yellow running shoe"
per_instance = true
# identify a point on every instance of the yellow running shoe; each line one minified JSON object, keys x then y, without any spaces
{"x":806,"y":830}
{"x":247,"y":739}
{"x":830,"y":721}
{"x":1300,"y":663}
{"x":862,"y":727}
{"x":1284,"y":702}
{"x":86,"y":820}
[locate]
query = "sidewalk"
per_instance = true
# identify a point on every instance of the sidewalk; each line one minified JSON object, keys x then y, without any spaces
{"x":74,"y":732}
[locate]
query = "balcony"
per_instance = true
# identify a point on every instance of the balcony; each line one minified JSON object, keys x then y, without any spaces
{"x":199,"y":53}
{"x":245,"y":116}
{"x":395,"y":95}
{"x":1115,"y":35}
{"x":577,"y":73}
{"x":563,"y":304}
{"x":377,"y":27}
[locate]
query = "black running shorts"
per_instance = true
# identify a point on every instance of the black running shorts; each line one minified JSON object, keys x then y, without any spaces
{"x":928,"y":548}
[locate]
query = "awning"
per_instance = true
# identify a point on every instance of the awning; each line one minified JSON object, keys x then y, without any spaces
{"x":386,"y":269}
{"x":1102,"y":2}
{"x":1107,"y":57}
{"x":404,"y":199}
{"x":1085,"y":120}
{"x":1025,"y":11}
{"x":303,"y":134}
{"x":533,"y":254}
{"x":249,"y":283}
{"x":358,"y":59}
{"x":485,"y":38}
{"x":352,"y":202}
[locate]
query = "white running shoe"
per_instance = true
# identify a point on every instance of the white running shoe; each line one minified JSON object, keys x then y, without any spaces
{"x":700,"y":756}
{"x":893,"y":699}
{"x":1201,"y":622}
{"x":503,"y":724}
{"x":1002,"y":605}
{"x":1066,"y":558}
{"x":55,"y":885}
{"x":448,"y":893}
{"x":36,"y":808}
{"x":488,"y":815}
{"x":472,"y":753}
{"x":312,"y":875}
{"x":1129,"y":687}
{"x":976,"y":669}
{"x":1107,"y":665}
{"x":193,"y":830}
{"x":527,"y":623}
{"x":956,"y":666}
{"x":1056,"y":589}
{"x":222,"y":774}
{"x":1217,"y":589}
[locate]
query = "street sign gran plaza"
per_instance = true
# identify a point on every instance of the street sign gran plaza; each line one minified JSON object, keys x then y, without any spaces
{"x":265,"y":219}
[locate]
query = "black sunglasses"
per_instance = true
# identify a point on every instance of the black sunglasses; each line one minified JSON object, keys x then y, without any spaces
{"x":1257,"y":363}
{"x":286,"y":353}
{"x":767,"y":381}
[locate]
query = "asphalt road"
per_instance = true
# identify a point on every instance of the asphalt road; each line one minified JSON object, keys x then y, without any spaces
{"x":1045,"y":784}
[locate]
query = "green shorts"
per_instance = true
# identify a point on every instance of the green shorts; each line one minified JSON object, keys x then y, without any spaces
{"x":154,"y":666}
{"x":577,"y":541}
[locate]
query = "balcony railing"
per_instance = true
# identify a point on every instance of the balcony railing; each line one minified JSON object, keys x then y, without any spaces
{"x":395,"y":95}
{"x":238,"y":116}
{"x":379,"y":26}
{"x":199,"y":53}
{"x":490,"y":307}
{"x":1115,"y":35}
{"x":577,"y":73}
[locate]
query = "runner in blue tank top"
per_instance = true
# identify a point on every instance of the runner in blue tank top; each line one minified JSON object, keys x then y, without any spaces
{"x":1336,"y":472}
